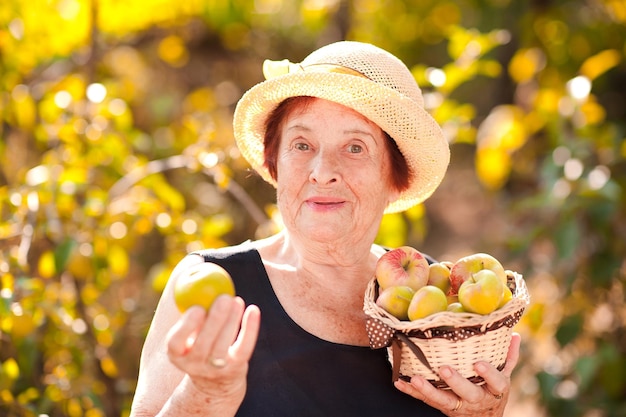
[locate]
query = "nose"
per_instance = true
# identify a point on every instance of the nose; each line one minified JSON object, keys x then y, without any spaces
{"x":325,"y":169}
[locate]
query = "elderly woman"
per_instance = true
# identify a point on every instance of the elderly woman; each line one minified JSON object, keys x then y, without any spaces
{"x":344,"y":138}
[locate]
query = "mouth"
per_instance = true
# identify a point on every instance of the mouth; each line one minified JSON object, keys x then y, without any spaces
{"x":325,"y":202}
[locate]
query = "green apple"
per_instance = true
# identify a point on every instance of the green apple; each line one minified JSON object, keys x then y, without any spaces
{"x":465,"y":267}
{"x":439,"y":276}
{"x":403,"y":266}
{"x":426,"y":301}
{"x":396,"y":300}
{"x":482,"y":293}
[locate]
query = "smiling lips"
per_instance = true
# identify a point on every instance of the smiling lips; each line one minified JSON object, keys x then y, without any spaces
{"x":324,"y":202}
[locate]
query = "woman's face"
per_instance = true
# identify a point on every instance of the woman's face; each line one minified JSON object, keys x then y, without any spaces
{"x":333,"y":173}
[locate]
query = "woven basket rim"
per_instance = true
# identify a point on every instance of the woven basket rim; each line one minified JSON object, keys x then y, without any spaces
{"x":447,"y":320}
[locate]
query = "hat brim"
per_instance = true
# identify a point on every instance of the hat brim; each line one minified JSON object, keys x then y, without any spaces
{"x":416,"y":133}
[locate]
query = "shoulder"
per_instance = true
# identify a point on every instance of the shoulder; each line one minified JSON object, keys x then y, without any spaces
{"x":210,"y":254}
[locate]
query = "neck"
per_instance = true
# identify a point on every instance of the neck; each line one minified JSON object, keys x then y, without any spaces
{"x":349,"y":267}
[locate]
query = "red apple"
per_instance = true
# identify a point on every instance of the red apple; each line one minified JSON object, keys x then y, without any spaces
{"x":468,"y":265}
{"x":403,"y":266}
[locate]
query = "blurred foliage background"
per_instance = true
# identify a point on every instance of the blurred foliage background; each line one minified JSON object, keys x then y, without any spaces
{"x":117,"y":158}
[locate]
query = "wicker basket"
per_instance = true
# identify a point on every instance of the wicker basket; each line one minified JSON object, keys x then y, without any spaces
{"x":421,"y":347}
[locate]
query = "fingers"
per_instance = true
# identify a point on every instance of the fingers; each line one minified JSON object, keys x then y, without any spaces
{"x":496,"y":382}
{"x":465,"y":397}
{"x":225,"y":334}
{"x":513,"y":354}
{"x":423,"y":390}
{"x":183,"y":333}
{"x":222,"y":326}
{"x":246,"y":341}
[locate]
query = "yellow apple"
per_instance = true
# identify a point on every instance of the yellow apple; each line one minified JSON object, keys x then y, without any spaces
{"x":426,"y":301}
{"x":439,"y":276}
{"x":455,"y":307}
{"x":396,"y":300}
{"x":481,"y":293}
{"x":403,"y":266}
{"x":201,"y":285}
{"x":507,"y":295}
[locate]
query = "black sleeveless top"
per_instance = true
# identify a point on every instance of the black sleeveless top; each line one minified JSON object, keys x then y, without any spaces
{"x":295,"y":374}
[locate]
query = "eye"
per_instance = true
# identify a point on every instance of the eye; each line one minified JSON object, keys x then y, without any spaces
{"x":301,"y":146}
{"x":355,"y":148}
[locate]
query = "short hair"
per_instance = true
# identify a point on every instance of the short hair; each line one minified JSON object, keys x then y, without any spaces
{"x":400,"y":171}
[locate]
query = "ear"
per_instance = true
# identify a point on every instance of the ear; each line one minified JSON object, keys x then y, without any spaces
{"x":393,"y":196}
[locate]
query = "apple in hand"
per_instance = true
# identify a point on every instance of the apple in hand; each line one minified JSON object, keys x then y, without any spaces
{"x":468,"y":265}
{"x":396,"y":300}
{"x":403,"y":266}
{"x":482,"y":293}
{"x":439,"y":276}
{"x":426,"y":301}
{"x":201,"y":285}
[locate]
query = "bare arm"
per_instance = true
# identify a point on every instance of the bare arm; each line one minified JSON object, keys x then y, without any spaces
{"x":176,"y":377}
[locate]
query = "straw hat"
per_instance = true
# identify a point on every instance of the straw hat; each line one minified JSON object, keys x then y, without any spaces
{"x":366,"y":79}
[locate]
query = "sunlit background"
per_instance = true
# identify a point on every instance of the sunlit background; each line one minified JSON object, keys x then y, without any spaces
{"x":117,"y":158}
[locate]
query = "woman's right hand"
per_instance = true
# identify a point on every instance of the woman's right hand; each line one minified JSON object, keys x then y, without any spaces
{"x":213,"y":349}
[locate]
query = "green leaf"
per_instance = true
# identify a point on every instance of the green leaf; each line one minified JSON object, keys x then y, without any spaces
{"x":62,"y":253}
{"x":586,"y":368}
{"x":569,"y":329}
{"x":567,"y":238}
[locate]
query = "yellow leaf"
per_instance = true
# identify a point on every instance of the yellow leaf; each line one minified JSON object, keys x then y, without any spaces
{"x":118,"y":260}
{"x":109,"y":367}
{"x":11,"y":369}
{"x":503,"y":128}
{"x":594,"y":113}
{"x":173,"y":51}
{"x":159,"y":275}
{"x":393,"y":231}
{"x":28,"y":395}
{"x":46,"y":265}
{"x":89,"y":294}
{"x":600,"y":63}
{"x":94,"y":412}
{"x":493,"y":166}
{"x":25,"y":110}
{"x":525,"y":64}
{"x":73,"y":408}
{"x":6,"y":397}
{"x":547,"y":101}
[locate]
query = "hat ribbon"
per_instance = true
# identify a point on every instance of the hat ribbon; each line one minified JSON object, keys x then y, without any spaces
{"x":273,"y":69}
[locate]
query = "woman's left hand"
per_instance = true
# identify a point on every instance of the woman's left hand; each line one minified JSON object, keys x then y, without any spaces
{"x":465,"y":398}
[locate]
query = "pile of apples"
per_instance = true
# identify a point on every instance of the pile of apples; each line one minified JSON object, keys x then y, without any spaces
{"x":410,"y":288}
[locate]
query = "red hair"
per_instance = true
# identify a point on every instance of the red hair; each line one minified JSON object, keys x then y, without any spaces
{"x":400,"y":171}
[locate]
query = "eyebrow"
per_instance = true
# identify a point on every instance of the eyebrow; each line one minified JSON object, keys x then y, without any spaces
{"x":347,"y":131}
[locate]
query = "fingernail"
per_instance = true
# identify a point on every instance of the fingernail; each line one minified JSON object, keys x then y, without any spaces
{"x":445,"y":372}
{"x":417,"y":382}
{"x":481,"y":367}
{"x":399,"y":383}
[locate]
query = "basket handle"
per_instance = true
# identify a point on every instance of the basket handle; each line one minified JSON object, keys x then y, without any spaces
{"x":396,"y":345}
